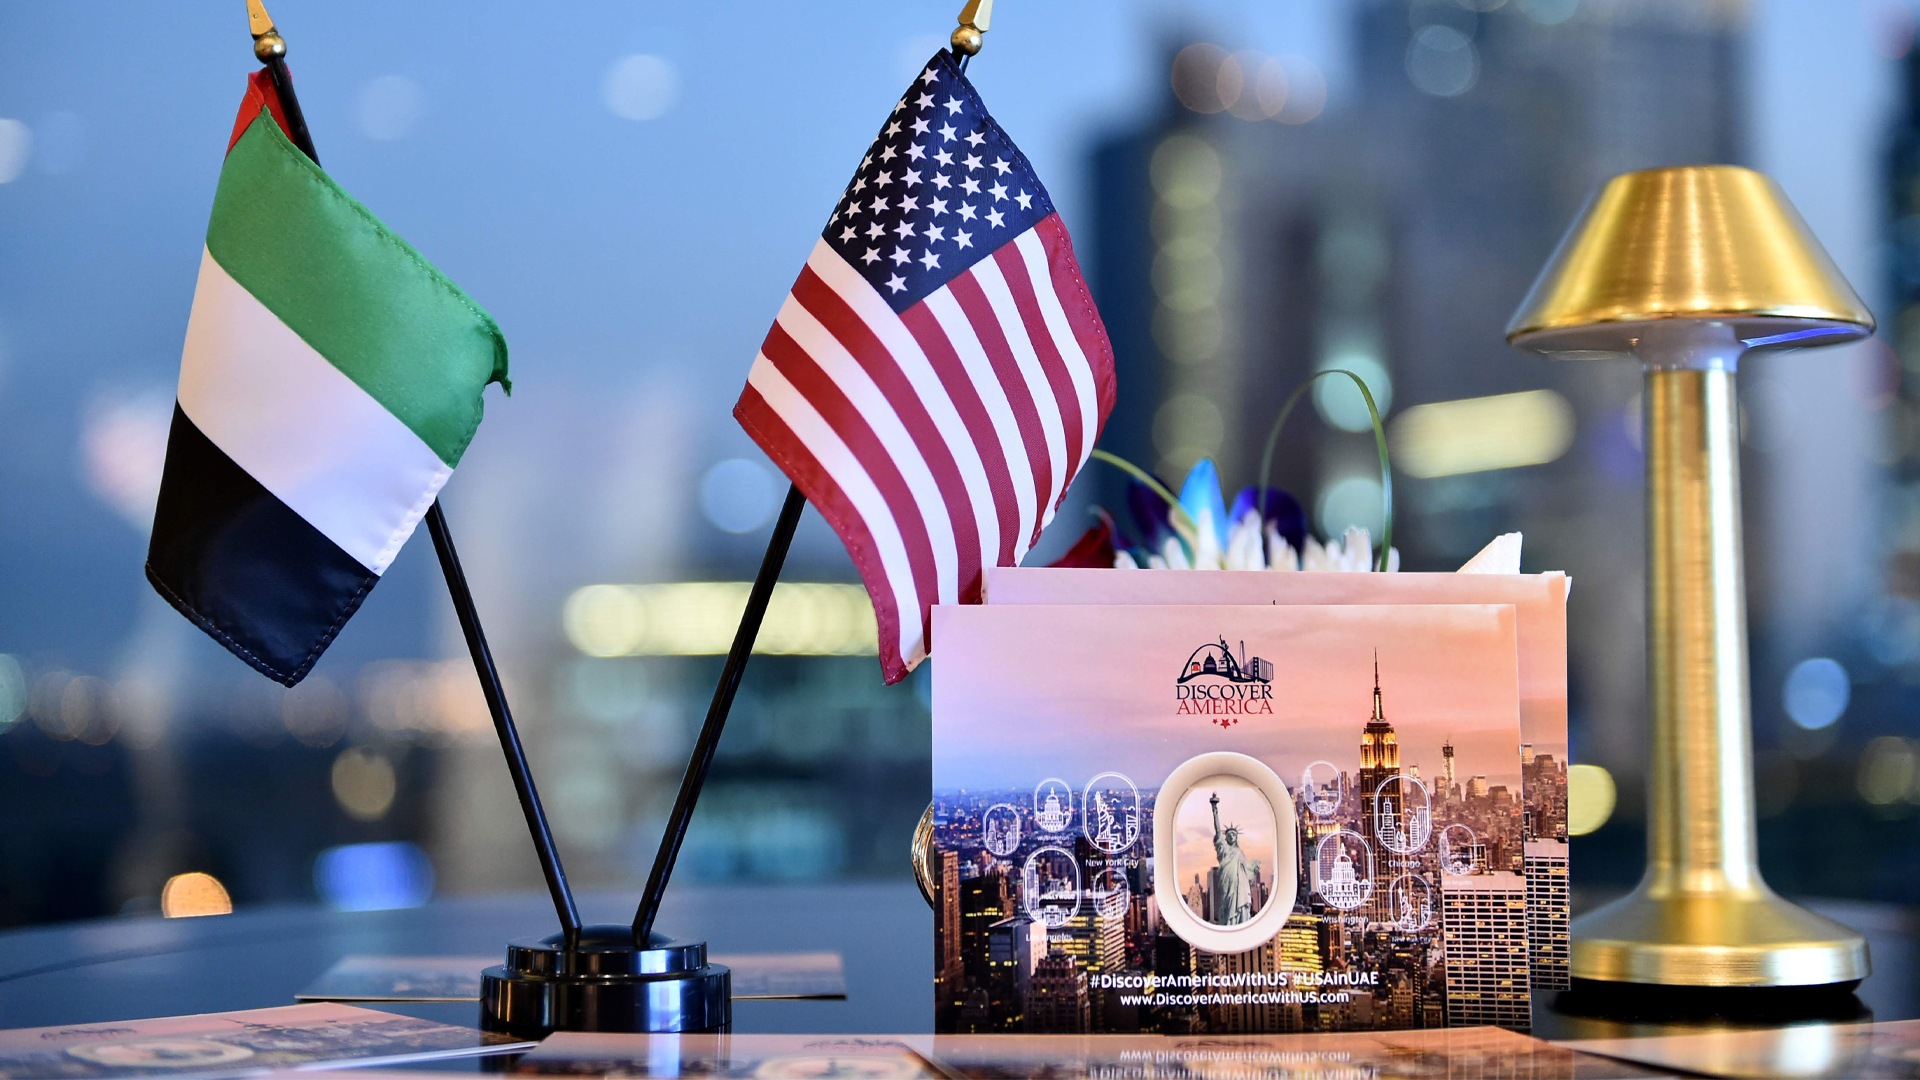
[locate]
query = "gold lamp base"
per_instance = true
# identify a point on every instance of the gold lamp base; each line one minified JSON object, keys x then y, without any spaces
{"x":1743,"y":939}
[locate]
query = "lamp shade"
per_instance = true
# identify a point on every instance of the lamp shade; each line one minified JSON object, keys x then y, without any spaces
{"x":1707,"y":242}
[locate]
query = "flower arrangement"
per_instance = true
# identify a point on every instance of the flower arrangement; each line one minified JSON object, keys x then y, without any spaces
{"x":1265,"y":529}
{"x":1198,"y":531}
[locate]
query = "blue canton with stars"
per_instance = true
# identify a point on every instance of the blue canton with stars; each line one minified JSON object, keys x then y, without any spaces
{"x":941,"y":188}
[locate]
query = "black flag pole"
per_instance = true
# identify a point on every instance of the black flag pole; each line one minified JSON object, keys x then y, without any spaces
{"x":966,"y":41}
{"x":709,"y":740}
{"x":271,"y":50}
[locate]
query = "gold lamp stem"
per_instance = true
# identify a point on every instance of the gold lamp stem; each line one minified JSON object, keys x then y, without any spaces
{"x":1700,"y":835}
{"x":1702,"y":915}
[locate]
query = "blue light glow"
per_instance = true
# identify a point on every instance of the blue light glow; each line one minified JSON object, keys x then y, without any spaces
{"x":373,"y":877}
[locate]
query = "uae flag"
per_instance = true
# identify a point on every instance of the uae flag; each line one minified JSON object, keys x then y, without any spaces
{"x":331,"y":380}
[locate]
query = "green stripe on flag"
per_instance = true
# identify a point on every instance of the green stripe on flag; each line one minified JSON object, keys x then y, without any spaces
{"x":361,"y":296}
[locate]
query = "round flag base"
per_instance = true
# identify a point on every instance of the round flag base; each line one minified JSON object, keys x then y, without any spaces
{"x":605,"y":983}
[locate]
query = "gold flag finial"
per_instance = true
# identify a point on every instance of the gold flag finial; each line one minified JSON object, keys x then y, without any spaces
{"x":974,"y":20}
{"x":267,"y":42}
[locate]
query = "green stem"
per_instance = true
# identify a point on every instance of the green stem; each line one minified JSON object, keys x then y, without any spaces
{"x":1379,"y":439}
{"x":1182,"y":521}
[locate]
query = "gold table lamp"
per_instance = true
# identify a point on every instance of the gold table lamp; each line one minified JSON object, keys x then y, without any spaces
{"x":1687,"y":269}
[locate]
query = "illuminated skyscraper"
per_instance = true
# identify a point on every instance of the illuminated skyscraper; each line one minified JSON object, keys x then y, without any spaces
{"x":948,"y":974}
{"x":1484,"y":917}
{"x":1547,"y":907}
{"x":1251,"y":1018}
{"x":1058,"y":1001}
{"x":1379,"y":762}
{"x":984,"y":900}
{"x":1014,"y":949}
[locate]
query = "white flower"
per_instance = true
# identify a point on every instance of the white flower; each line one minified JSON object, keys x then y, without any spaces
{"x":1244,"y":547}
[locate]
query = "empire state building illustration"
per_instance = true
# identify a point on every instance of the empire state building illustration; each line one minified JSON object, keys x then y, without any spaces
{"x":1379,"y":763}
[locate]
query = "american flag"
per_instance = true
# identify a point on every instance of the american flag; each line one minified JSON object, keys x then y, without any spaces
{"x":938,"y":374}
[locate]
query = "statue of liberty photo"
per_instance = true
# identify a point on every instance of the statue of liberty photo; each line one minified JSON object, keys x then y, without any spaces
{"x":1233,"y":898}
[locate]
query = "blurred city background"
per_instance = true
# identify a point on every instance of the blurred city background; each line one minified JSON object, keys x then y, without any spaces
{"x":1257,"y":189}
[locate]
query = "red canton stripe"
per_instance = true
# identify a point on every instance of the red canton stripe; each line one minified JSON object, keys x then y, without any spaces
{"x":941,"y":439}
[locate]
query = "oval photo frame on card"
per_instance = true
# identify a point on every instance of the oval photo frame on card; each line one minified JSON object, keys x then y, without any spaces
{"x":1224,"y":769}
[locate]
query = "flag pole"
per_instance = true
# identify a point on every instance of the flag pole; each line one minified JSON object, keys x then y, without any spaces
{"x":966,"y":41}
{"x":723,"y":694}
{"x":271,"y":50}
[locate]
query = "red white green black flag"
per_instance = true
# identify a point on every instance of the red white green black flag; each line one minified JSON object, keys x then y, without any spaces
{"x":331,"y":381}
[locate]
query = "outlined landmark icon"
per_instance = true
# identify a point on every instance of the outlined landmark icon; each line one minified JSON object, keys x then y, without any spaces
{"x":1050,"y":886}
{"x":1459,"y":851}
{"x":1322,"y":786}
{"x":1410,"y":902}
{"x":1000,"y":829}
{"x":1110,"y":812}
{"x":1402,"y":814}
{"x":1053,"y":805}
{"x":1109,"y":893}
{"x":1343,"y":865}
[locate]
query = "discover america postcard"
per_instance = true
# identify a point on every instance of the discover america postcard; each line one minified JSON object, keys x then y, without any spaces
{"x":1227,"y":820}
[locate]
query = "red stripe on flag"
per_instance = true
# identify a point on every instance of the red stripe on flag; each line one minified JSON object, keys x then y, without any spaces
{"x":986,"y":326}
{"x":818,"y":388}
{"x":925,"y":329}
{"x":1071,"y":288}
{"x":786,"y":449}
{"x":260,"y":95}
{"x":1014,"y":269}
{"x":872,"y":354}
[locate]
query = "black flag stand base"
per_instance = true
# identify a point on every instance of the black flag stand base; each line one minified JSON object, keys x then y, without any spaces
{"x":605,"y":983}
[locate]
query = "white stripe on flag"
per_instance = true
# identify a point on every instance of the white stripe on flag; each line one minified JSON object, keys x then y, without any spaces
{"x":959,"y":332}
{"x":1034,"y":254}
{"x":851,"y":478}
{"x":852,"y":379}
{"x":858,"y":293}
{"x":1000,"y":299}
{"x":299,"y":426}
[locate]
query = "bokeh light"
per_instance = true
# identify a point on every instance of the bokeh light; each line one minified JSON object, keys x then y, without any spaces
{"x":1188,"y":424}
{"x":1590,"y":798}
{"x":698,"y":618}
{"x":1441,"y":61}
{"x":16,"y":146}
{"x":315,"y":712}
{"x":364,"y":783}
{"x":13,"y":691}
{"x":1548,"y":12}
{"x":1350,"y":502}
{"x":1816,"y":693}
{"x":1306,"y":91}
{"x":1196,"y":77}
{"x":373,"y":877}
{"x":190,"y":896}
{"x":739,"y":495}
{"x":1502,"y":431}
{"x":1889,"y":771}
{"x":1339,"y":402}
{"x":123,"y":444}
{"x":641,"y":87}
{"x":390,"y":108}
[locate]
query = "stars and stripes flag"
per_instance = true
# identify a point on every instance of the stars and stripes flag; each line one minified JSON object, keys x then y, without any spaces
{"x":938,"y":373}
